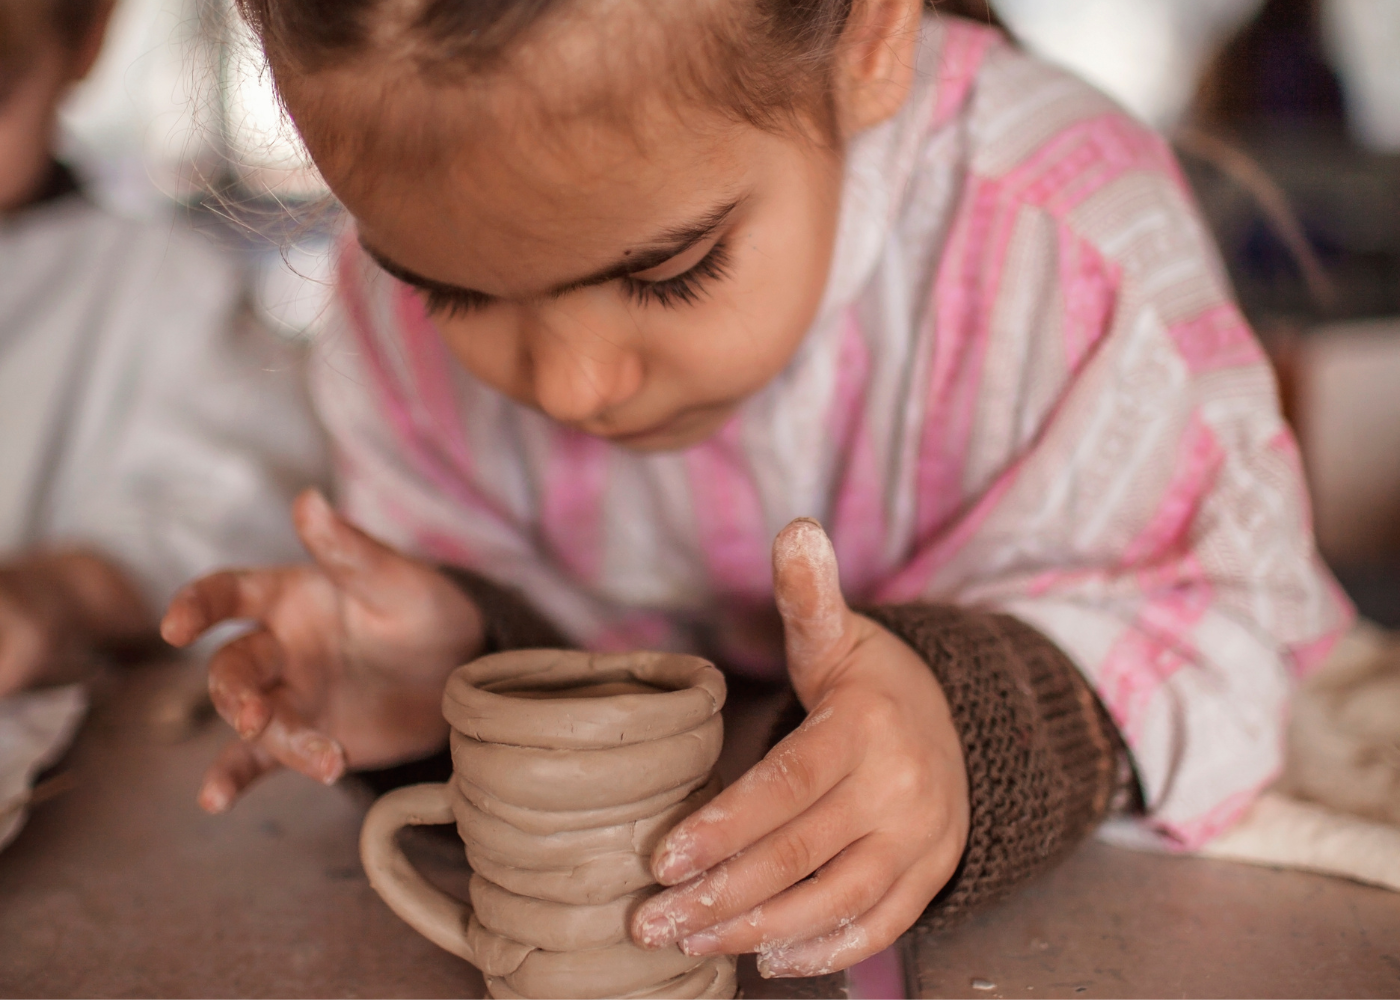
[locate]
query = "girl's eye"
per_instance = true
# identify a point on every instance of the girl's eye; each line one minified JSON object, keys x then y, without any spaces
{"x":683,"y":289}
{"x":450,"y":302}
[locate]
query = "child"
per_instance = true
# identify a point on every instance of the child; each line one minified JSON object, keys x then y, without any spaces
{"x":638,"y":284}
{"x":127,"y":462}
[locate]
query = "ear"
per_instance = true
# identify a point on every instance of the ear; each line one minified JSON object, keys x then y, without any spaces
{"x":875,"y":62}
{"x":85,"y":55}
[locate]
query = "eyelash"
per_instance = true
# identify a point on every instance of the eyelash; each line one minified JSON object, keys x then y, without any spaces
{"x":683,"y":289}
{"x":452,"y":302}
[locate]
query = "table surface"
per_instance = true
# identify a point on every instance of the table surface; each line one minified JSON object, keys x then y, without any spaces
{"x":120,"y":886}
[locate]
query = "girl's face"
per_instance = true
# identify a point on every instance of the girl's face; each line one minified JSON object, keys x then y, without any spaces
{"x":636,"y":289}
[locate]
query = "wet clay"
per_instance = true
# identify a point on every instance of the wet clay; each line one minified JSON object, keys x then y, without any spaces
{"x":568,"y":769}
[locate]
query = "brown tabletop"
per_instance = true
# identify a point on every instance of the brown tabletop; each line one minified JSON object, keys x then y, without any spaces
{"x":120,"y":886}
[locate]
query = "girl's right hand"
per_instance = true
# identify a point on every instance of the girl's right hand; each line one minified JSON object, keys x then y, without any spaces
{"x":347,"y":666}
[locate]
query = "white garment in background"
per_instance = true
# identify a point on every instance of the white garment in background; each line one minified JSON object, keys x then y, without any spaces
{"x":1146,"y":54}
{"x":138,"y":412}
{"x":1363,"y":40}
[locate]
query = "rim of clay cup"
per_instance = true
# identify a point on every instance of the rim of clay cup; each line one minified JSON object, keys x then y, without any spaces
{"x":693,"y":691}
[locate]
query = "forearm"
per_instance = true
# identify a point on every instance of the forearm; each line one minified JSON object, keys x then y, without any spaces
{"x":86,"y":594}
{"x":1043,"y":758}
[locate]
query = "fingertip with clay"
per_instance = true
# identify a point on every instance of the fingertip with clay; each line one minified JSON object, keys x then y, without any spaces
{"x":656,"y":927}
{"x":215,"y":796}
{"x":179,"y":625}
{"x":252,"y":717}
{"x":325,"y":758}
{"x":674,"y":859}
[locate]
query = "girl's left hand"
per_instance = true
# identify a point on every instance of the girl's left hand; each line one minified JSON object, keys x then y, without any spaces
{"x":831,"y":846}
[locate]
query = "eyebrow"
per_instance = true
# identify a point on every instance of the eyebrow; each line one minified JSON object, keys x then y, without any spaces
{"x":671,"y":243}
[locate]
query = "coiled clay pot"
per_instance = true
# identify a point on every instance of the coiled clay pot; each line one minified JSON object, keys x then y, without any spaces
{"x":568,"y":768}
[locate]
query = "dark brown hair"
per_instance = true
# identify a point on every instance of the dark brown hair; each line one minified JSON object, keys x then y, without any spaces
{"x":759,"y":58}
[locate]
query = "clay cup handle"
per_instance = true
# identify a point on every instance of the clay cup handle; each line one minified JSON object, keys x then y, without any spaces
{"x":440,"y":918}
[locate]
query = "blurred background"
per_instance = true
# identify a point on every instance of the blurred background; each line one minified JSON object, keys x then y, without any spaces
{"x":1285,"y":113}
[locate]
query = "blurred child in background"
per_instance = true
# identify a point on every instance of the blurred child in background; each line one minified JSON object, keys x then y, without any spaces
{"x":148,"y":431}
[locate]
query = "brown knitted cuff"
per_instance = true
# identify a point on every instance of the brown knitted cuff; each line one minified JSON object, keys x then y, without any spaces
{"x":1042,"y":755}
{"x":511,"y":622}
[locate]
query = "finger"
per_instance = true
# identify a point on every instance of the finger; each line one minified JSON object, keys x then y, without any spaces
{"x":21,"y":651}
{"x":796,"y":773}
{"x":817,"y":624}
{"x":840,"y":891}
{"x":854,"y":941}
{"x":238,"y":765}
{"x":755,"y":875}
{"x":362,"y":566}
{"x":299,"y":747}
{"x":240,"y":675}
{"x":219,"y":597}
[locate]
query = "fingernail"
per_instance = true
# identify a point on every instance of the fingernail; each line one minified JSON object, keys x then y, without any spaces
{"x":246,"y":726}
{"x":704,"y":943}
{"x":676,"y":862}
{"x":658,"y":930}
{"x":332,"y":760}
{"x":772,"y":965}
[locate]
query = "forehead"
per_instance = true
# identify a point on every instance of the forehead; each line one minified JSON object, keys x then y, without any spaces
{"x":507,"y":195}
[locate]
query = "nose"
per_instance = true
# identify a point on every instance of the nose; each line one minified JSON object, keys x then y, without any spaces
{"x":580,"y":371}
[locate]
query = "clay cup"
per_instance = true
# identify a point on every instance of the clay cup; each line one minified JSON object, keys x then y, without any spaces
{"x":568,"y":768}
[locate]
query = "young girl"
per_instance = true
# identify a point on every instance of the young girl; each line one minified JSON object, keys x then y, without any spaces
{"x":637,"y":284}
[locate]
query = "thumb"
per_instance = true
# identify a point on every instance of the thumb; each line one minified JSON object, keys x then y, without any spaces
{"x":356,"y":563}
{"x":816,"y":621}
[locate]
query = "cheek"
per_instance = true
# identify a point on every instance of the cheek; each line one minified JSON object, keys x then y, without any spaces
{"x":763,"y":312}
{"x":486,"y":343}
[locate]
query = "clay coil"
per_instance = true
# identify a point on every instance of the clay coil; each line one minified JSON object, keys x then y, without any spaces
{"x":539,"y":923}
{"x":586,"y":779}
{"x":715,"y":978}
{"x":494,"y":954}
{"x":543,"y":822}
{"x":508,"y":845}
{"x":598,"y":972}
{"x":601,"y":880}
{"x":479,"y":702}
{"x":712,"y":979}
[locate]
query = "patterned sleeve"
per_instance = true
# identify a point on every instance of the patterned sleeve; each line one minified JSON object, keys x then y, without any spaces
{"x":1122,"y":479}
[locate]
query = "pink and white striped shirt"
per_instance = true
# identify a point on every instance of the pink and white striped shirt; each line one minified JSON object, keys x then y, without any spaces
{"x":1027,"y":389}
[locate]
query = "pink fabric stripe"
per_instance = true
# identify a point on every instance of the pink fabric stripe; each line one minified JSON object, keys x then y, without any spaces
{"x":1155,"y":646}
{"x":432,"y":369}
{"x":403,"y":415}
{"x":913,"y":581}
{"x":1189,"y":835}
{"x":1309,"y":656}
{"x":391,"y":402}
{"x":1090,"y":287}
{"x":1083,"y":159}
{"x":1218,"y":338}
{"x":965,"y":45}
{"x":1198,"y":460}
{"x":964,"y":295}
{"x":572,"y":504}
{"x":858,"y":525}
{"x":636,"y":631}
{"x":729,"y":516}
